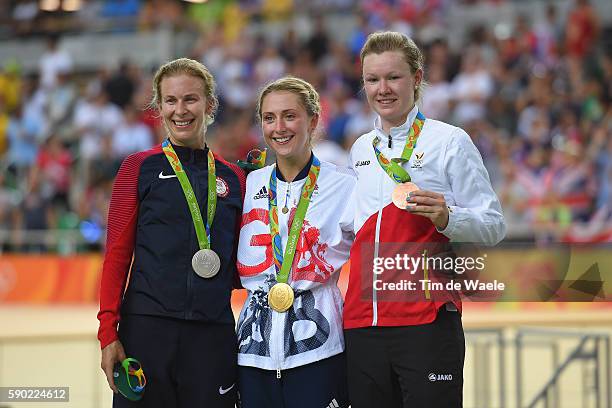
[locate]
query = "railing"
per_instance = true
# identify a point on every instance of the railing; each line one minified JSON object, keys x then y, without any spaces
{"x":486,"y":345}
{"x":490,"y":377}
{"x":591,"y":347}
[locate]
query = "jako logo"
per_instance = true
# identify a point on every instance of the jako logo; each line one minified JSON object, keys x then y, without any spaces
{"x":362,"y":163}
{"x":439,"y":377}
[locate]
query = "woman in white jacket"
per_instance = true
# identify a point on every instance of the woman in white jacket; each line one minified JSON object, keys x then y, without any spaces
{"x":296,"y":235}
{"x":421,"y":184}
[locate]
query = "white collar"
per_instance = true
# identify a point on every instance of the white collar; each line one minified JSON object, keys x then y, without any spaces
{"x":400,"y":132}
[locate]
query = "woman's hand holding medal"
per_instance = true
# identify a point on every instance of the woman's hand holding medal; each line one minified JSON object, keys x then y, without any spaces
{"x":429,"y":204}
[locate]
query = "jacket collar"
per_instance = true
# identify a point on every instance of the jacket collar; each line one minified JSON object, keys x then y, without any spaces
{"x":188,"y":155}
{"x":301,"y":175}
{"x":399,"y":133}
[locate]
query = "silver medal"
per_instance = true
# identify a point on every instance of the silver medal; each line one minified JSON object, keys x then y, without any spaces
{"x":206,"y":263}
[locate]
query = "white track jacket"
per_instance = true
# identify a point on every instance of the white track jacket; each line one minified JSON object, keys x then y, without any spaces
{"x":444,"y":160}
{"x":312,"y":329}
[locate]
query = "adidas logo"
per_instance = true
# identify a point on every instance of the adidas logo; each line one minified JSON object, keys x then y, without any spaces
{"x":333,"y":404}
{"x":263,"y":193}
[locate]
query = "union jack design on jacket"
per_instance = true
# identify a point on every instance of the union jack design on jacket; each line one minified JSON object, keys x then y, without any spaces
{"x":311,"y":329}
{"x":445,"y":161}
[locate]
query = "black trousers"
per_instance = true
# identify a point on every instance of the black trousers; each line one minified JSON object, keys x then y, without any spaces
{"x":408,"y":366}
{"x":187,"y":364}
{"x":321,"y":384}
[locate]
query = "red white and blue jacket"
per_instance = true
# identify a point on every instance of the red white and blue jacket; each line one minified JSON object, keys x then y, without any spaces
{"x":149,"y":221}
{"x":311,"y":329}
{"x":444,"y":160}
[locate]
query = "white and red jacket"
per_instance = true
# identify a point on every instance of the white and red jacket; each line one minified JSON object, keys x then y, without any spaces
{"x":444,"y":160}
{"x":312,"y":329}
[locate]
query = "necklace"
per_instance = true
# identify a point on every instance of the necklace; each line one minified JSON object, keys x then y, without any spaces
{"x":285,"y":209}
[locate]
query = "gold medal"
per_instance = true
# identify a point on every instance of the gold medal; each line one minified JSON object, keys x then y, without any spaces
{"x":400,"y":195}
{"x":280,"y":297}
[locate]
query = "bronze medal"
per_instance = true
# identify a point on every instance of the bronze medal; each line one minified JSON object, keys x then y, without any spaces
{"x":400,"y":195}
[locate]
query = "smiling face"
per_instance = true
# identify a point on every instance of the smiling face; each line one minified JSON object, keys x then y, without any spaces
{"x":287,"y":126}
{"x":184,"y":107}
{"x":389,"y":85}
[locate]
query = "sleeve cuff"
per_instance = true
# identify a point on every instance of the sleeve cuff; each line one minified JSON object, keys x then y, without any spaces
{"x":452,"y":223}
{"x":107,"y":336}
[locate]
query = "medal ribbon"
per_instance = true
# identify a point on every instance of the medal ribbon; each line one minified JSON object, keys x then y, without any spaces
{"x":283,"y":263}
{"x":202,"y":232}
{"x":394,"y":167}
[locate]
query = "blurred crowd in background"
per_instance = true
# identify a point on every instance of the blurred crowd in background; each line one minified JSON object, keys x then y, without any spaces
{"x":534,"y":96}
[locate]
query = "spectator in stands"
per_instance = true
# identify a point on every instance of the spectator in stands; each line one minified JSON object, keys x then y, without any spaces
{"x":289,"y":46}
{"x":318,"y":43}
{"x":269,"y":65}
{"x":235,"y":138}
{"x":24,"y":136}
{"x":471,"y":88}
{"x":548,"y":34}
{"x":131,"y":135}
{"x":52,"y":172}
{"x":436,"y":104}
{"x":95,"y":119}
{"x":121,"y":86}
{"x":36,"y":216}
{"x":11,"y":85}
{"x":53,"y":61}
{"x":105,"y":166}
{"x":581,"y":30}
{"x":175,"y":316}
{"x":60,"y":104}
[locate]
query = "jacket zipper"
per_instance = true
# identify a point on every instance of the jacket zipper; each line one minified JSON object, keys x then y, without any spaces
{"x":274,"y":351}
{"x":381,"y":182}
{"x":376,"y":250}
{"x":196,"y":190}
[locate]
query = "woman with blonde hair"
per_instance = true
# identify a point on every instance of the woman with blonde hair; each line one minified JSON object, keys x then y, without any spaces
{"x":172,"y":231}
{"x":295,"y":236}
{"x":421,"y":183}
